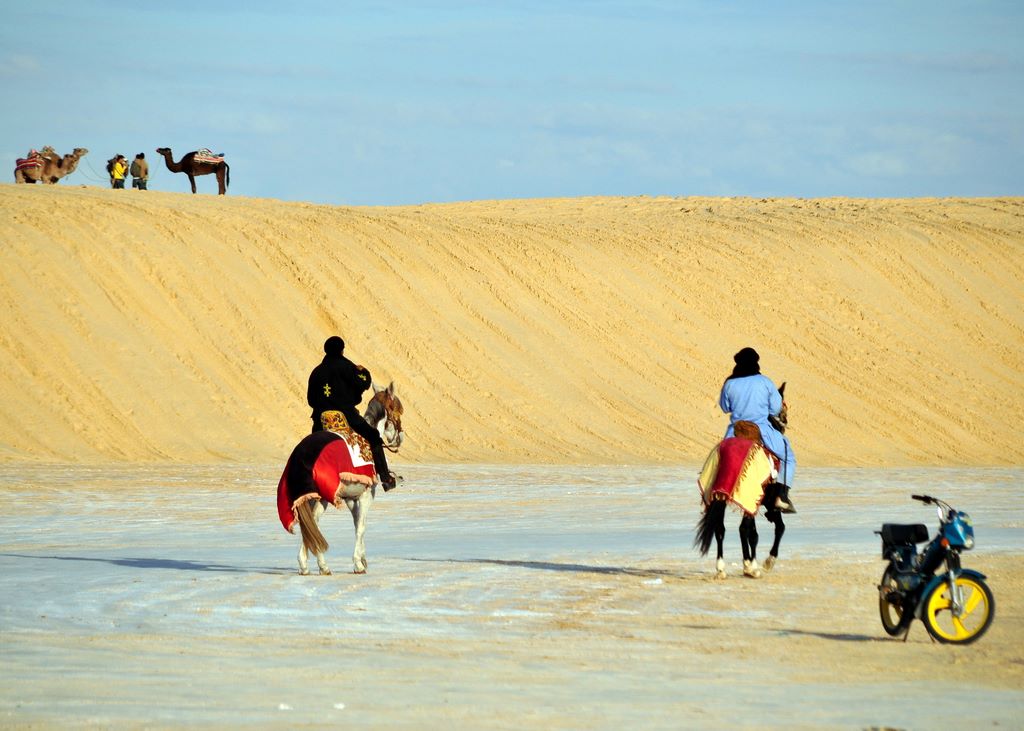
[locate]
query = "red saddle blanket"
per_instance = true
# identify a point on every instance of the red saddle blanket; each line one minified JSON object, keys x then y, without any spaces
{"x":204,"y":154}
{"x":320,"y":466}
{"x":738,"y":469}
{"x":24,"y":163}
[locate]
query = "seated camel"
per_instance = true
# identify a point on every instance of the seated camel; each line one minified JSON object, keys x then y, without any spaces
{"x":47,"y":166}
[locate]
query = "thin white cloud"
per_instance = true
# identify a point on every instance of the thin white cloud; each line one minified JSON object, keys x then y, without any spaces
{"x":878,"y":165}
{"x":967,"y":63}
{"x":18,"y":65}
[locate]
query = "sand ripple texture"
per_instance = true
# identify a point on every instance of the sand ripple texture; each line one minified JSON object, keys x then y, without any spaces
{"x":161,"y":326}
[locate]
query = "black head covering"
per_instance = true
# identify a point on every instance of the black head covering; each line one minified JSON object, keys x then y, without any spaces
{"x":334,"y":345}
{"x":746,"y":363}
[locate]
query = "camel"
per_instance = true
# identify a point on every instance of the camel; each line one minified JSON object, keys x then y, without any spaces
{"x":192,"y":167}
{"x":53,"y":167}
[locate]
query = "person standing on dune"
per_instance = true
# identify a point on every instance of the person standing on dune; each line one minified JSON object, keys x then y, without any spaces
{"x":338,"y":384}
{"x":118,"y":169}
{"x":140,"y":172}
{"x":749,"y":396}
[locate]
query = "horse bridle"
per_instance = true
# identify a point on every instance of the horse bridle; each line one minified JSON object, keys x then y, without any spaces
{"x":395,"y":423}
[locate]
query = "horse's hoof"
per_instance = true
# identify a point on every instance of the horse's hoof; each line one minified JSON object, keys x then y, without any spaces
{"x":303,"y":572}
{"x":769,"y":563}
{"x":325,"y":572}
{"x":751,"y":570}
{"x":719,"y":575}
{"x":359,"y":571}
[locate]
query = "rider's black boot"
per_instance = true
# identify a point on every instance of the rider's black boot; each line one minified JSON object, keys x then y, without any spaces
{"x":790,"y":507}
{"x":388,"y":479}
{"x":783,"y":502}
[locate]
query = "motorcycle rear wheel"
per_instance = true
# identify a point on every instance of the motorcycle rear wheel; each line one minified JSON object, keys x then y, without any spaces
{"x":891,"y":614}
{"x":977,"y":615}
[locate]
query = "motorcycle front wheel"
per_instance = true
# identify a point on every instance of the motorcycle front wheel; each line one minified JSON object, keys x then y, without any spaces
{"x":891,"y":614}
{"x":979,"y":607}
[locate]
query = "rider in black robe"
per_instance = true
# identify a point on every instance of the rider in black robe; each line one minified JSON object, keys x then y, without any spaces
{"x":338,"y":384}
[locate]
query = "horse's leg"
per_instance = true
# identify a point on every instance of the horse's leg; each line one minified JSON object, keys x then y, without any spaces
{"x":775,"y":517}
{"x":719,"y":529}
{"x":748,"y":537}
{"x":361,"y":507}
{"x":303,"y":558}
{"x":712,"y":526}
{"x":356,"y":509}
{"x":321,"y":560}
{"x":744,"y":540}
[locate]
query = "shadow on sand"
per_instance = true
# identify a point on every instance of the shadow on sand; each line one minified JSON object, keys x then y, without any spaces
{"x":834,"y":636}
{"x":159,"y":563}
{"x":572,"y":567}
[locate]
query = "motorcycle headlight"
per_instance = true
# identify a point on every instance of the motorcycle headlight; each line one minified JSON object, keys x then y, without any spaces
{"x":969,"y":542}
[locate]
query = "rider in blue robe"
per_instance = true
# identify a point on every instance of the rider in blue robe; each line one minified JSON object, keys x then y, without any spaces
{"x":749,"y":396}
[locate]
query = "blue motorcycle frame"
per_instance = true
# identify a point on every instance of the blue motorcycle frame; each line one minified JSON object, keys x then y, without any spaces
{"x":955,"y":605}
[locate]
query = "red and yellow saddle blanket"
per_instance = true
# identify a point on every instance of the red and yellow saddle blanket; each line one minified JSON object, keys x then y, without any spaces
{"x":737,"y":469}
{"x":323,"y":465}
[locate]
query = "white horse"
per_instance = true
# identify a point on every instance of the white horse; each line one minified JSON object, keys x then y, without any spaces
{"x":357,"y":491}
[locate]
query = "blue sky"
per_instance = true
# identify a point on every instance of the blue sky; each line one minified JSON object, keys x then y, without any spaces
{"x":372,"y":103}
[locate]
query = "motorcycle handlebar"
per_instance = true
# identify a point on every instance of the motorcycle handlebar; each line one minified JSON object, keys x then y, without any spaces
{"x":923,"y":498}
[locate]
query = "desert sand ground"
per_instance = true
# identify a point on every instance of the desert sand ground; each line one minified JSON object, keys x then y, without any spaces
{"x":497,"y":597}
{"x":559,"y":361}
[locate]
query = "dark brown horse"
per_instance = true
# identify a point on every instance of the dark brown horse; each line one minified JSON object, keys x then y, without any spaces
{"x":193,"y":167}
{"x":712,"y":522}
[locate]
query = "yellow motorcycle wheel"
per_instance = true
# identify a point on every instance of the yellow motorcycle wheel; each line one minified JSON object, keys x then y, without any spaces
{"x":977,"y":614}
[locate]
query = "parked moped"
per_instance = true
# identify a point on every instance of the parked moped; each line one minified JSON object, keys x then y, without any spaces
{"x":955,"y":605}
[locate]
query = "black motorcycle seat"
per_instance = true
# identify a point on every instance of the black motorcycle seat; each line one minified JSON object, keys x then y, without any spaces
{"x":904,"y":534}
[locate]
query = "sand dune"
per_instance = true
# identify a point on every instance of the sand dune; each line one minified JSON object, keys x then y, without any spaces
{"x":160,"y":326}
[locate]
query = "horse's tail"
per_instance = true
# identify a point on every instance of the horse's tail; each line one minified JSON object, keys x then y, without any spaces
{"x":227,"y":178}
{"x":714,"y":515}
{"x":312,"y":538}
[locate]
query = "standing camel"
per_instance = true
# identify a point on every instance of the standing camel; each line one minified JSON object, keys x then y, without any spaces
{"x":51,"y":169}
{"x":193,"y":167}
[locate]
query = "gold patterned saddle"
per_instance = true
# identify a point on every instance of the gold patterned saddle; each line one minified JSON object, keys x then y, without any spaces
{"x":336,"y":422}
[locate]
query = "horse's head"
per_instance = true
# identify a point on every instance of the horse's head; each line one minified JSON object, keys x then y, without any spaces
{"x":781,"y":421}
{"x":384,"y":413}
